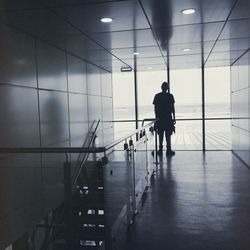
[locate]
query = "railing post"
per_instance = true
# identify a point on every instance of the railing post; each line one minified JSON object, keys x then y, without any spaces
{"x":146,"y":144}
{"x":68,"y":205}
{"x":156,"y":147}
{"x":130,"y":205}
{"x":132,"y":151}
{"x":94,"y":145}
{"x":136,"y":96}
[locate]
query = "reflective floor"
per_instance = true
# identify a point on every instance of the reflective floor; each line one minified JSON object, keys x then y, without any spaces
{"x":197,"y":201}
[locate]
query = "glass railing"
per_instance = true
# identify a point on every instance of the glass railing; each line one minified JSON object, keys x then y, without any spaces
{"x":188,"y":134}
{"x":91,"y":194}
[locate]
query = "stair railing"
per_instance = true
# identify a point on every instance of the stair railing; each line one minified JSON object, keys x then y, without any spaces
{"x":52,"y":228}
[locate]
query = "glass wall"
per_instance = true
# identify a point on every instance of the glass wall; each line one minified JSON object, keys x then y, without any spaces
{"x":186,"y":88}
{"x":185,"y":85}
{"x":217,"y":101}
{"x":240,"y":108}
{"x":149,"y":84}
{"x":124,"y":103}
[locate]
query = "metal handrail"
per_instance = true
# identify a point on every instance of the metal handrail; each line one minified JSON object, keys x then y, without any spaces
{"x":52,"y":150}
{"x":118,"y":141}
{"x":73,"y":149}
{"x":183,"y":119}
{"x":85,"y":157}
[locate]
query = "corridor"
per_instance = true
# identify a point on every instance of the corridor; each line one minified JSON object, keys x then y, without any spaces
{"x":197,"y":201}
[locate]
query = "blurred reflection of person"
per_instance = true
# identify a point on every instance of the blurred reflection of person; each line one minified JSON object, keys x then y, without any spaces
{"x":165,"y":117}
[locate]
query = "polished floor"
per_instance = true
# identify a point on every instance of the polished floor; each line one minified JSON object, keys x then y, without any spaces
{"x":197,"y":201}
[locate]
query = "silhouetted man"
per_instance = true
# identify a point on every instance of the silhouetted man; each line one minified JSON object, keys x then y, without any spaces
{"x":165,"y":113}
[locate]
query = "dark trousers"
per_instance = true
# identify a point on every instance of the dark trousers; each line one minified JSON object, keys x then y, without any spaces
{"x":168,"y":139}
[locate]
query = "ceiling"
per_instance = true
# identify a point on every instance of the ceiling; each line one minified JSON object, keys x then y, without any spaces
{"x":217,"y":33}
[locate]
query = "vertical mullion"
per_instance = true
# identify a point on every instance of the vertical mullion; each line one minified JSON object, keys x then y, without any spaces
{"x":203,"y":105}
{"x":136,"y":92}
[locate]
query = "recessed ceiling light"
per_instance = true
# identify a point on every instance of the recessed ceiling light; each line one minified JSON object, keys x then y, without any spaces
{"x":149,"y":67}
{"x":106,"y":20}
{"x":136,"y":53}
{"x":186,"y":49}
{"x":188,"y":11}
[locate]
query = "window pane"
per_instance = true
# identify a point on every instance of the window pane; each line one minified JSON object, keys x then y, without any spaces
{"x":217,"y":91}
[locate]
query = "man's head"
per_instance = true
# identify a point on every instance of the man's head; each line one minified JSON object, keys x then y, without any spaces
{"x":165,"y":86}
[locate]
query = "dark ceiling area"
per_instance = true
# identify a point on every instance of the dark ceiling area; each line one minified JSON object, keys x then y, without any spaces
{"x":216,"y":34}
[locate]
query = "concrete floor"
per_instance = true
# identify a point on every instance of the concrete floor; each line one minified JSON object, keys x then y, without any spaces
{"x":197,"y":201}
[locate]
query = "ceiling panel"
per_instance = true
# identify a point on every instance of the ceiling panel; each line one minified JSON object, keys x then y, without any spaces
{"x":150,"y":60}
{"x":183,"y":65}
{"x":77,"y":44}
{"x":187,"y":34}
{"x":193,"y":33}
{"x":168,"y":13}
{"x":126,"y":15}
{"x":231,"y":44}
{"x":57,"y":3}
{"x":125,"y":39}
{"x":195,"y":48}
{"x":39,"y":22}
{"x":117,"y":64}
{"x":151,"y":51}
{"x":108,"y":62}
{"x":236,"y":29}
{"x":100,"y":57}
{"x":143,"y":64}
{"x":56,"y":31}
{"x":129,"y":61}
{"x":155,"y":67}
{"x":241,"y":10}
{"x":218,"y":63}
{"x":185,"y":61}
{"x":147,"y":62}
{"x":19,"y":5}
{"x":227,"y":55}
{"x":130,"y":31}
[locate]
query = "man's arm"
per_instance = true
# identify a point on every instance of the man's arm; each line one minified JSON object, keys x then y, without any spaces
{"x":156,"y":109}
{"x":173,"y":112}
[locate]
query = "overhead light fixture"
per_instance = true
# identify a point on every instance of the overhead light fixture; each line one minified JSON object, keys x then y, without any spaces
{"x":126,"y":69}
{"x":149,"y":68}
{"x":188,"y":11}
{"x":106,"y":20}
{"x":136,"y":53}
{"x":186,"y":49}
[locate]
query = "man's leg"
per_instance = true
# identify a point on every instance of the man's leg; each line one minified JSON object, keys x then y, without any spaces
{"x":169,"y":149}
{"x":160,"y":133}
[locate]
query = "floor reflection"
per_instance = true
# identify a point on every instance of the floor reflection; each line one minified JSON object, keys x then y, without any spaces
{"x":197,"y":201}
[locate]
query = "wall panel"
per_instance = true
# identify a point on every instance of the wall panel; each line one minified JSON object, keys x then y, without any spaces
{"x":53,"y":179}
{"x":93,"y":80}
{"x":54,"y":117}
{"x":20,"y":195}
{"x":51,"y":65}
{"x":78,"y":118}
{"x":76,"y":75}
{"x":48,"y":98}
{"x":19,"y":120}
{"x":240,"y":97}
{"x":17,"y":58}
